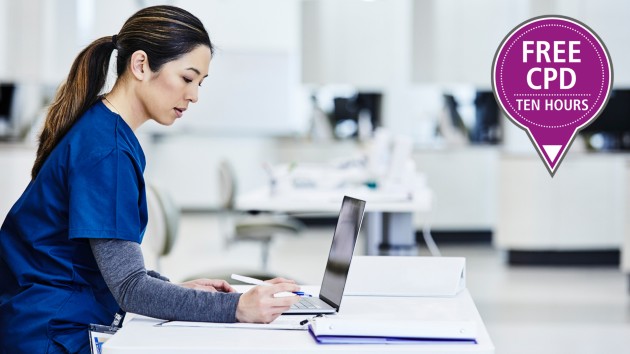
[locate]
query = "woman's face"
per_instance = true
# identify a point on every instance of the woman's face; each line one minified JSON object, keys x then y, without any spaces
{"x":170,"y":90}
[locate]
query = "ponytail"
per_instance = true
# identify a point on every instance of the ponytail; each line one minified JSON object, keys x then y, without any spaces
{"x":78,"y":93}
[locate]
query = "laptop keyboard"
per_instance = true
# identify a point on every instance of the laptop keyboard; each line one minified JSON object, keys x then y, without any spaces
{"x":305,"y":303}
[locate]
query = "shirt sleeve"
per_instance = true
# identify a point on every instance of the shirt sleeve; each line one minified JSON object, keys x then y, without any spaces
{"x":156,"y":275}
{"x":122,"y":267}
{"x":107,"y":198}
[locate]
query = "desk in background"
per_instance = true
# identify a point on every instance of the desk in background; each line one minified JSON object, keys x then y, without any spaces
{"x":140,"y":335}
{"x":388,"y":225}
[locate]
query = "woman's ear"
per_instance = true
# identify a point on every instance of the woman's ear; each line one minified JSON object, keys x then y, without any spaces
{"x":139,"y":64}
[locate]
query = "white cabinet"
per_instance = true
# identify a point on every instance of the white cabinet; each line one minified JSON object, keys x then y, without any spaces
{"x":583,"y":207}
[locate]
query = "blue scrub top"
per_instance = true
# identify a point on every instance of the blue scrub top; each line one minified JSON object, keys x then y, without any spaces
{"x":91,"y":186}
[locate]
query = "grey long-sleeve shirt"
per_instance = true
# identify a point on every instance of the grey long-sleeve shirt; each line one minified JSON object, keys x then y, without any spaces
{"x":122,"y":266}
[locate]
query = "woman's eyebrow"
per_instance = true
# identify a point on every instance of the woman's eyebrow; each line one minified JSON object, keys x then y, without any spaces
{"x":195,"y":70}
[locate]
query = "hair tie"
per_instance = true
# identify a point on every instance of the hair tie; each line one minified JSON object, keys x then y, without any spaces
{"x":114,"y":41}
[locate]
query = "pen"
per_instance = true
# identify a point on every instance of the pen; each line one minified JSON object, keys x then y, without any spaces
{"x":303,"y":322}
{"x":301,"y":293}
{"x":254,"y":281}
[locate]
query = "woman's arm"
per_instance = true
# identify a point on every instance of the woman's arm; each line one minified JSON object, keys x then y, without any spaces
{"x":122,"y":267}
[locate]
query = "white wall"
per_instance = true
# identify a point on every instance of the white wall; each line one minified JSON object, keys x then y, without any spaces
{"x":609,"y":19}
{"x":248,"y":24}
{"x":4,"y":37}
{"x":361,"y":43}
{"x":393,"y":46}
{"x":254,"y":83}
{"x":107,"y":17}
{"x":455,"y":41}
{"x":24,"y":41}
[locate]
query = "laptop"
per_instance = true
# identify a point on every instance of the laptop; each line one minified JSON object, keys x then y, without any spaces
{"x":339,"y":258}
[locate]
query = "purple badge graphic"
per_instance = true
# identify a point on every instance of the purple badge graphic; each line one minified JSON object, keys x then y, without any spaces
{"x":552,"y":76}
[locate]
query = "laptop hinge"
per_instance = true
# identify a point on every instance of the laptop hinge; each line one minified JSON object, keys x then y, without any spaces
{"x":332,"y":304}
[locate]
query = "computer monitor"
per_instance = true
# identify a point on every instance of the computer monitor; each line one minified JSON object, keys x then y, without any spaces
{"x":349,"y":108}
{"x":7,"y":93}
{"x":487,"y":128}
{"x":611,"y":130}
{"x":615,"y":118}
{"x":7,"y":98}
{"x":456,"y":119}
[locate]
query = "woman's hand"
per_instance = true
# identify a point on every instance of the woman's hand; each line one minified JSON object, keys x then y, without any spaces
{"x":259,"y":305}
{"x":209,"y":285}
{"x":280,"y":280}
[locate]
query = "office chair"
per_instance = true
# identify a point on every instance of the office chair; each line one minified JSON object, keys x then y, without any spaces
{"x":162,"y":227}
{"x":260,"y":227}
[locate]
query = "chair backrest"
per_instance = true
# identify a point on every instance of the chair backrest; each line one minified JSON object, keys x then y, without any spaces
{"x":163,"y":225}
{"x":227,"y":185}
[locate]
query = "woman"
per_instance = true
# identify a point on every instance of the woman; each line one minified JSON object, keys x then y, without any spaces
{"x":69,"y":247}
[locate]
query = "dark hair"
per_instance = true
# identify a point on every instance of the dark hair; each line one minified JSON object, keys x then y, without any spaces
{"x":165,"y":33}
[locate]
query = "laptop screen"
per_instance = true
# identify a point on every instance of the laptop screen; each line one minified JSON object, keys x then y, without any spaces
{"x":341,"y":250}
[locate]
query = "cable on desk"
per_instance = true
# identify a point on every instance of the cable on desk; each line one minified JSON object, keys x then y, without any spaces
{"x":426,"y":233}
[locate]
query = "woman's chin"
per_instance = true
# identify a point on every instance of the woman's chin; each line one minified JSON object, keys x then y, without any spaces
{"x":165,"y":121}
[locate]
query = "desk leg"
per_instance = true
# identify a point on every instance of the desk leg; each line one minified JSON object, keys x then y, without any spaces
{"x":390,"y":234}
{"x":373,"y":232}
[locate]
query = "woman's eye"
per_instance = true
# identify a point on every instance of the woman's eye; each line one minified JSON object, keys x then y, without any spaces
{"x":187,"y":80}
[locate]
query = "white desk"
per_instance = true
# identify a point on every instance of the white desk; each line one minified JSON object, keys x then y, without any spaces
{"x":389,"y":217}
{"x":140,"y":335}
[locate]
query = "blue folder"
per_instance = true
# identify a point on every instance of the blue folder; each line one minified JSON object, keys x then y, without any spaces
{"x":339,"y":339}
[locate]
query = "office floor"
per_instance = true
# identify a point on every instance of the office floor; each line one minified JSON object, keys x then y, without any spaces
{"x":525,"y":309}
